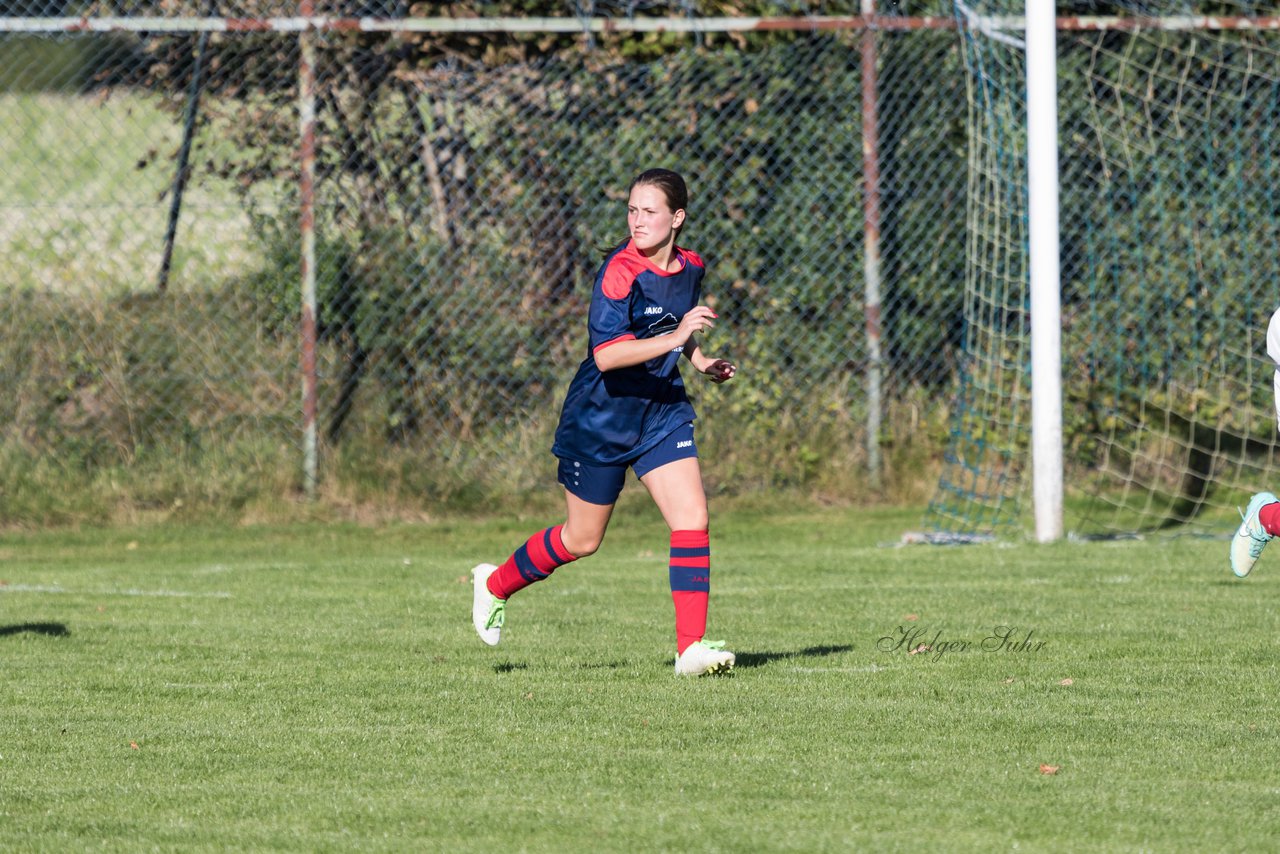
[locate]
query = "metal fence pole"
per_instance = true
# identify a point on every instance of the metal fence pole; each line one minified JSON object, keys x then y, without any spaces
{"x":871,"y":237}
{"x":306,"y":197}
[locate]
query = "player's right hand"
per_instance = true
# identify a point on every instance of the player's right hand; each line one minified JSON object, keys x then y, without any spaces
{"x":697,"y":319}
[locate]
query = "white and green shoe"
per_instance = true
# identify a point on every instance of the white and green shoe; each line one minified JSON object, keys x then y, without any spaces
{"x":704,"y":658}
{"x":1251,"y":538}
{"x":487,"y":610}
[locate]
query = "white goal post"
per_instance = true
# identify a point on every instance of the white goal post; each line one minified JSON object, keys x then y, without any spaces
{"x":1045,"y":274}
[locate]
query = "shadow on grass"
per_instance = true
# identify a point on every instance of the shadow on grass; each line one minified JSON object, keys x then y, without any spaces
{"x":508,"y":667}
{"x":55,"y":630}
{"x":760,"y":659}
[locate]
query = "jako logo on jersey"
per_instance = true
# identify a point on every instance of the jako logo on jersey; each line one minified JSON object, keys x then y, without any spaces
{"x":687,"y":443}
{"x":653,"y":309}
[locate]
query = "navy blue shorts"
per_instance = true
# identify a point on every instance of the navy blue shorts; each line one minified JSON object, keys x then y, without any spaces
{"x":603,"y":484}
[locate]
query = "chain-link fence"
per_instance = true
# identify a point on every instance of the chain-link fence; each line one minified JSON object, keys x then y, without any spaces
{"x":465,"y":189}
{"x":1168,"y":174}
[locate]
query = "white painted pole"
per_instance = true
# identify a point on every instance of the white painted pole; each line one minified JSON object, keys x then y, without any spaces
{"x":307,"y":221}
{"x":1046,"y":304}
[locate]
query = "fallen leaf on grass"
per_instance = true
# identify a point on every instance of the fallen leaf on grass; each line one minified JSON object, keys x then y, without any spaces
{"x":134,"y":745}
{"x":920,"y":648}
{"x":1050,"y":769}
{"x":1067,"y":682}
{"x":1008,"y":681}
{"x":911,"y":618}
{"x":462,"y":579}
{"x":133,"y":545}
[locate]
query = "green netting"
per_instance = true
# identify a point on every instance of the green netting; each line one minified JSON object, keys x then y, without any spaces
{"x":1169,"y":218}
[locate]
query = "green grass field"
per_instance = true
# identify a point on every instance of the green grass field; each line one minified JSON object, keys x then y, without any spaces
{"x":319,"y":687}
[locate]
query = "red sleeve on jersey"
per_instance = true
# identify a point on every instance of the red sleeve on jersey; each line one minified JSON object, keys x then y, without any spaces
{"x":610,"y":343}
{"x":620,"y":275}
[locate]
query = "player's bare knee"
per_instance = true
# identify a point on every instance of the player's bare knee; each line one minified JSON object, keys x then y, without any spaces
{"x":691,"y":521}
{"x":580,"y":545}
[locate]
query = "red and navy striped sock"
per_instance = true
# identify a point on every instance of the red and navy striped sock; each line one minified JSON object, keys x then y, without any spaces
{"x":690,"y":584}
{"x":533,"y":561}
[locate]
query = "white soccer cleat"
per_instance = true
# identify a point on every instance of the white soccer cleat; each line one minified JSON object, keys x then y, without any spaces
{"x":704,"y":658}
{"x":1251,"y":538}
{"x":487,"y":610}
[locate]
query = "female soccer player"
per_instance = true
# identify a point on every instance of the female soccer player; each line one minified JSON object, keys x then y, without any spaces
{"x":627,"y":407}
{"x":1261,"y":519}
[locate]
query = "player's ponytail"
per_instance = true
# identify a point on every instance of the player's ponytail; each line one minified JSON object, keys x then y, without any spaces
{"x":606,"y":251}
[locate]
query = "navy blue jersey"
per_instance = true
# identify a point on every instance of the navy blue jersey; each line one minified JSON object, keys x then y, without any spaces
{"x":612,"y":417}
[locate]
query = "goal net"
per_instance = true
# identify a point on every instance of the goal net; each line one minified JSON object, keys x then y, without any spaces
{"x":1169,"y":136}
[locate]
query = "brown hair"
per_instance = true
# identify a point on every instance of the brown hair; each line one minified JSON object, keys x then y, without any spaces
{"x":670,"y":183}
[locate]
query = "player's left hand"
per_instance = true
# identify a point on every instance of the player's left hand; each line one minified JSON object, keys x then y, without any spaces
{"x":720,"y":370}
